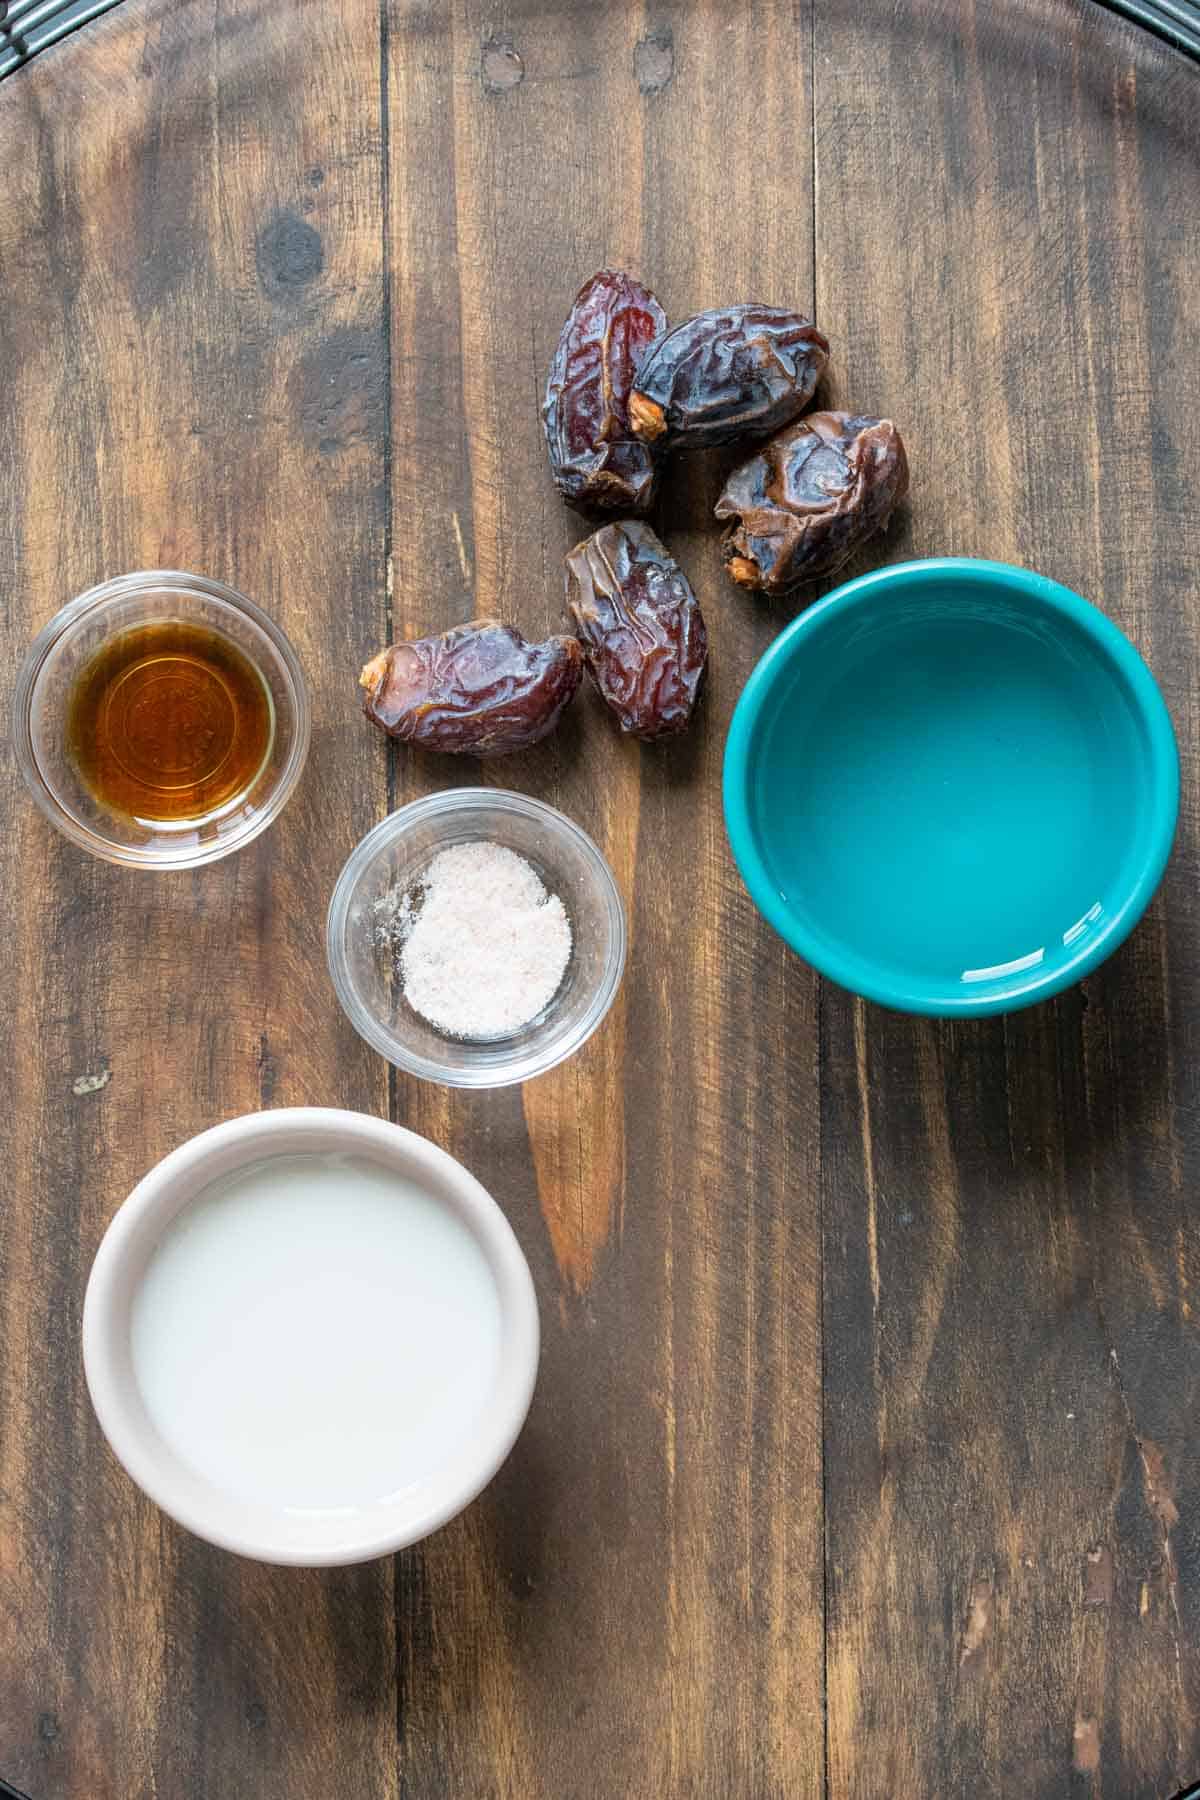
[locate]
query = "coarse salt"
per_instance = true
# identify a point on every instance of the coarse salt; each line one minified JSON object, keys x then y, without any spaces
{"x":483,"y":946}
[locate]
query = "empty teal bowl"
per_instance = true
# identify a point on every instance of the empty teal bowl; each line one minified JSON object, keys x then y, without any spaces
{"x":952,"y":786}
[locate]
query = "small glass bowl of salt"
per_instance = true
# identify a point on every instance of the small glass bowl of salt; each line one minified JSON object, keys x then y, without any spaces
{"x":476,"y":938}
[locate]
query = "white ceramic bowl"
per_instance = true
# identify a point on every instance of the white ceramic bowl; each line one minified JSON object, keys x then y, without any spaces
{"x":277,"y":1534}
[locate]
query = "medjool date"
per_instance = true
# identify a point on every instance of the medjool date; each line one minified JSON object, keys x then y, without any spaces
{"x":643,"y":634}
{"x":740,"y":371}
{"x":595,"y":459}
{"x":810,"y":498}
{"x":479,"y":689}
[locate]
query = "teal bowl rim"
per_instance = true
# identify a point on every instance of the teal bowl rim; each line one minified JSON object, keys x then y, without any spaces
{"x":1031,"y":986}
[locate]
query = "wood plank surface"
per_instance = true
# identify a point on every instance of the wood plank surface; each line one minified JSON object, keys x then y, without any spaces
{"x":635,"y":1606}
{"x":1010,"y":1212}
{"x":864,"y":1458}
{"x":192,"y":341}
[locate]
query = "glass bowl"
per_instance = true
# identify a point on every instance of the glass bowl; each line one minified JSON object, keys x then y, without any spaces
{"x":65,"y":647}
{"x":391,"y":860}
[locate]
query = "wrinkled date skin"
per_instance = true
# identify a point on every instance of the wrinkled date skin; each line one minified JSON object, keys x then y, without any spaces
{"x":478,"y":690}
{"x":641,"y":627}
{"x":738,"y":372}
{"x":809,"y":499}
{"x":596,"y":460}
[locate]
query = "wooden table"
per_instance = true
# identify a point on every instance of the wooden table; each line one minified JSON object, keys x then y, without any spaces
{"x":865,"y":1459}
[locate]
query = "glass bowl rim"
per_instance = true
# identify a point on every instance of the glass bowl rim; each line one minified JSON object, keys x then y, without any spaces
{"x":526,"y":1063}
{"x":93,"y":600}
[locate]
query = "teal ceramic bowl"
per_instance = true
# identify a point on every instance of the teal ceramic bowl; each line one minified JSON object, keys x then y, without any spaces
{"x":952,"y":786}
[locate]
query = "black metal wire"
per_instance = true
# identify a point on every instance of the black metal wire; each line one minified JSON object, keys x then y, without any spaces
{"x":27,"y":26}
{"x":1177,"y":22}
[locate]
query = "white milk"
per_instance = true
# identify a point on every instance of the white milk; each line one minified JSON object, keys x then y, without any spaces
{"x":315,"y":1332}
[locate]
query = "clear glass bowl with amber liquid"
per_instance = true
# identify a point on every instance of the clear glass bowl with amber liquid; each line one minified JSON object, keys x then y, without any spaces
{"x":161,"y":720}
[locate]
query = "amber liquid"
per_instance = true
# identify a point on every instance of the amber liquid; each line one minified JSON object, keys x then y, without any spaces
{"x":169,"y":722}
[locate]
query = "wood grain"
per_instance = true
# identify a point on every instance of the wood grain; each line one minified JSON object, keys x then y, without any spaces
{"x":863,"y":1459}
{"x":635,"y":1604}
{"x":193,"y":342}
{"x":1009,"y":1219}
